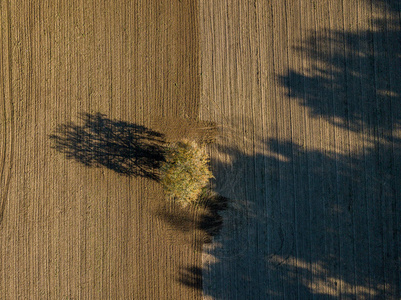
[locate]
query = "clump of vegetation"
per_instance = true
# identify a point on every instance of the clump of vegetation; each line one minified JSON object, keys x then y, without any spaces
{"x":185,"y":173}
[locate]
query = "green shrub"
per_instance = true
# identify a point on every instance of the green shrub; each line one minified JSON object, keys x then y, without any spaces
{"x":185,"y":172}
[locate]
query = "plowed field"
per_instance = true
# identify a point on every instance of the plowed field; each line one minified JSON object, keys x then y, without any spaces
{"x":83,"y":86}
{"x":307,"y":98}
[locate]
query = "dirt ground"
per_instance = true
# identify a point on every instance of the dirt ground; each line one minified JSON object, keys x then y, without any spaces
{"x":84,"y":87}
{"x":309,"y":101}
{"x":306,"y":95}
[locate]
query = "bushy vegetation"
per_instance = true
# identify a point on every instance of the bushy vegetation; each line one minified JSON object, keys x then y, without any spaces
{"x":185,"y":173}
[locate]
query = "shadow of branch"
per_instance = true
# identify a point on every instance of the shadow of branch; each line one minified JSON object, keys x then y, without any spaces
{"x":205,"y":217}
{"x":125,"y":148}
{"x":192,"y":277}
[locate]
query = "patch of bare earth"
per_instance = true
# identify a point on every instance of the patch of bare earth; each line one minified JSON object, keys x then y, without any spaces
{"x":81,"y":85}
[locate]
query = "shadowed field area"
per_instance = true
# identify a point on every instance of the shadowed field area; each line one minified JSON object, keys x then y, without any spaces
{"x":123,"y":147}
{"x":307,"y":161}
{"x":309,"y":97}
{"x":325,"y":245}
{"x":353,"y":80}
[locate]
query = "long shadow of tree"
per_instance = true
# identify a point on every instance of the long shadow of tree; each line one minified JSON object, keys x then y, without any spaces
{"x":135,"y":150}
{"x":125,"y":148}
{"x":205,"y":219}
{"x":354,"y":78}
{"x":320,"y":225}
{"x":317,"y":226}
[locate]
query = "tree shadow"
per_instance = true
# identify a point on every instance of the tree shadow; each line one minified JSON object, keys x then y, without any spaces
{"x":318,"y":225}
{"x":210,"y":221}
{"x":204,"y":218}
{"x":392,"y":5}
{"x":125,"y":148}
{"x":192,"y":277}
{"x":314,"y":224}
{"x":354,"y":78}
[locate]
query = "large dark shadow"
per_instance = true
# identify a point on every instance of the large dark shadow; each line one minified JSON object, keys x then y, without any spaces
{"x":353,"y":79}
{"x":319,"y":224}
{"x":391,"y":5}
{"x":98,"y":141}
{"x":316,"y":226}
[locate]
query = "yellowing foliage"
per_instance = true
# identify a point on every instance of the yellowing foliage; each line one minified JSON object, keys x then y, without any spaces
{"x":185,"y":172}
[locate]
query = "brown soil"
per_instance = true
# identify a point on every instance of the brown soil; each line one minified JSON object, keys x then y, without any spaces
{"x":82,"y":83}
{"x":308,"y":94}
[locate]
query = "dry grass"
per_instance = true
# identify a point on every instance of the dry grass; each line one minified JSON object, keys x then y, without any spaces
{"x":185,"y":172}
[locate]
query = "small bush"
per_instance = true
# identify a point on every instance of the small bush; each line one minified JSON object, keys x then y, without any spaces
{"x":185,"y":172}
